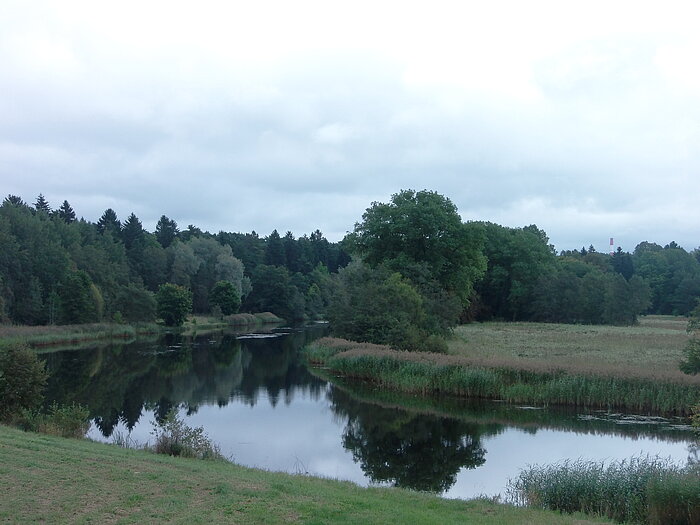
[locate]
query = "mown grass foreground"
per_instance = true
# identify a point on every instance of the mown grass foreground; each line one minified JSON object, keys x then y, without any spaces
{"x":499,"y":378}
{"x":56,"y":480}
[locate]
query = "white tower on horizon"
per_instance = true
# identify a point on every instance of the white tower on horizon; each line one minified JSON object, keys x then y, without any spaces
{"x":612,"y":250}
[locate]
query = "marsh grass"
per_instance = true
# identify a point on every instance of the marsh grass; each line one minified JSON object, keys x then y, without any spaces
{"x":653,"y":349}
{"x":40,"y":337}
{"x":518,"y":382}
{"x":638,"y":490}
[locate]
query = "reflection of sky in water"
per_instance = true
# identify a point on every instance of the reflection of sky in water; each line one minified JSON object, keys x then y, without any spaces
{"x":306,"y":436}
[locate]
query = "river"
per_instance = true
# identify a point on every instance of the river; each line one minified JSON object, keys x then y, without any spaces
{"x":258,"y":401}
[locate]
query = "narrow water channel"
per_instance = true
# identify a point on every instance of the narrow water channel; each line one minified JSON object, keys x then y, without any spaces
{"x":260,"y":403}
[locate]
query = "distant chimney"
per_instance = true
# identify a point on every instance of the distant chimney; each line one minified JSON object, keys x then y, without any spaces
{"x":612,"y":251}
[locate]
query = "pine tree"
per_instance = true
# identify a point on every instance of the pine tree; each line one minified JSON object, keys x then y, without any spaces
{"x":166,"y":231}
{"x":42,"y":205}
{"x":66,"y":213}
{"x":109,"y":222}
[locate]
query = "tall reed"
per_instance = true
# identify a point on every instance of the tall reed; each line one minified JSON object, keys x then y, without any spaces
{"x":439,"y":374}
{"x":639,"y":490}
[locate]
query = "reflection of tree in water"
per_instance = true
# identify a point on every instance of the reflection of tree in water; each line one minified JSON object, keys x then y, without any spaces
{"x":118,"y":382}
{"x":415,"y":451}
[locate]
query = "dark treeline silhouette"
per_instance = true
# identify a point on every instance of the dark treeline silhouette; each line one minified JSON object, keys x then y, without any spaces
{"x":412,"y":253}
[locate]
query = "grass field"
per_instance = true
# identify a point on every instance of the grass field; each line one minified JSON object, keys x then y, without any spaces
{"x":53,"y":480}
{"x":651,"y":349}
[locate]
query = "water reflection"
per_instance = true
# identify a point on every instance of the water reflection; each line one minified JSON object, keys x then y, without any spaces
{"x":118,"y":382}
{"x":257,"y":400}
{"x":410,"y":450}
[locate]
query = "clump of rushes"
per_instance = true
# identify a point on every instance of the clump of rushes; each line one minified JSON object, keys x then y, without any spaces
{"x":639,"y":490}
{"x":428,"y":374}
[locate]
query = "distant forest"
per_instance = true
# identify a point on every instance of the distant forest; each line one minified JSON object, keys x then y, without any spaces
{"x":57,"y":269}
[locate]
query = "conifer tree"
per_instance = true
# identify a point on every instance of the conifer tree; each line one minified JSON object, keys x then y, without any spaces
{"x":66,"y":213}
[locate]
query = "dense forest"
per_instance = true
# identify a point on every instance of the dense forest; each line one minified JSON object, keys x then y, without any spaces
{"x":410,"y":270}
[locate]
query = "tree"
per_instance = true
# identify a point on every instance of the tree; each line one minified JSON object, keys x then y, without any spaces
{"x":109,"y":222}
{"x":173,"y":303}
{"x":80,"y":300}
{"x":166,"y":231}
{"x":22,"y":381}
{"x":41,"y":205}
{"x":274,"y":250}
{"x":66,"y":213}
{"x":132,"y":232}
{"x":377,"y":305}
{"x":226,"y":297}
{"x":135,"y":304}
{"x":422,"y":227}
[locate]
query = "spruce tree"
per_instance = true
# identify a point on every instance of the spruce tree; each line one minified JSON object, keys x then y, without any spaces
{"x":66,"y":213}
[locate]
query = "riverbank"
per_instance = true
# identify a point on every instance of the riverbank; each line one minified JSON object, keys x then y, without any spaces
{"x":40,"y":337}
{"x":55,"y":480}
{"x":656,"y":391}
{"x":54,"y":336}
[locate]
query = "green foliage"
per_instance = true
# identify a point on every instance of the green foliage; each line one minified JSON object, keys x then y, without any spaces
{"x":379,"y":306}
{"x":174,"y":438}
{"x":166,"y":231}
{"x":69,"y":421}
{"x":226,"y":297}
{"x":134,"y":304}
{"x":517,"y":259}
{"x":173,"y":304}
{"x":639,"y":490}
{"x":273,"y":291}
{"x":79,"y":300}
{"x":22,"y":381}
{"x":109,"y":223}
{"x":422,"y":227}
{"x":66,"y":213}
{"x":691,"y":363}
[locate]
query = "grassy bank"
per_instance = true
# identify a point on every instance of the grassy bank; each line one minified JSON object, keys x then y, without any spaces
{"x":515,"y":382}
{"x":54,"y":480}
{"x":47,"y":336}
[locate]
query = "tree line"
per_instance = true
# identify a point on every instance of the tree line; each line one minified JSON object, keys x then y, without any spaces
{"x":57,"y":269}
{"x":408,"y":272}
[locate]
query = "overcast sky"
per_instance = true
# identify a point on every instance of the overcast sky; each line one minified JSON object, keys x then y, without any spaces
{"x":580,"y":117}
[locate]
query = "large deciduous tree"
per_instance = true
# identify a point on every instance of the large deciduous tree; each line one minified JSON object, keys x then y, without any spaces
{"x":422,"y":228}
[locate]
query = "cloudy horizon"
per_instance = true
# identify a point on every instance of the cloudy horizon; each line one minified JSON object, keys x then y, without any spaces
{"x":582,"y":119}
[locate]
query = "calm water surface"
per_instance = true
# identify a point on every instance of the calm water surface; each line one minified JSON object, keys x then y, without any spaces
{"x":260,"y":403}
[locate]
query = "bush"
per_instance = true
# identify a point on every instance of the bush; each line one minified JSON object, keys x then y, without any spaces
{"x":22,"y":381}
{"x":174,"y":438}
{"x":174,"y":303}
{"x":69,"y":421}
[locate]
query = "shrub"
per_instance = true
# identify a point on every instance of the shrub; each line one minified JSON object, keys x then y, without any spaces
{"x":174,"y":438}
{"x":69,"y":421}
{"x":174,"y":303}
{"x":22,"y":381}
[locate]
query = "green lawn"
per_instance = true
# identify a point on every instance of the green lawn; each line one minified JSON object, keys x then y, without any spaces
{"x":54,"y":480}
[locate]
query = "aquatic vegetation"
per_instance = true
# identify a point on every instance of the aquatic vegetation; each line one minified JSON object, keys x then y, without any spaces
{"x":639,"y":490}
{"x":427,"y":374}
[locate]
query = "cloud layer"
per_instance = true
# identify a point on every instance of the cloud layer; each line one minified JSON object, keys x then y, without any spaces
{"x":297,"y":116}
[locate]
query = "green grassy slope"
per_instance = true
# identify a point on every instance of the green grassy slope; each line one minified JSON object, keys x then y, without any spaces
{"x":54,"y":480}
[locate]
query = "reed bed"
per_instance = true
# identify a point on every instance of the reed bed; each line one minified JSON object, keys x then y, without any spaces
{"x":428,"y":374}
{"x":638,"y":490}
{"x":44,"y":336}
